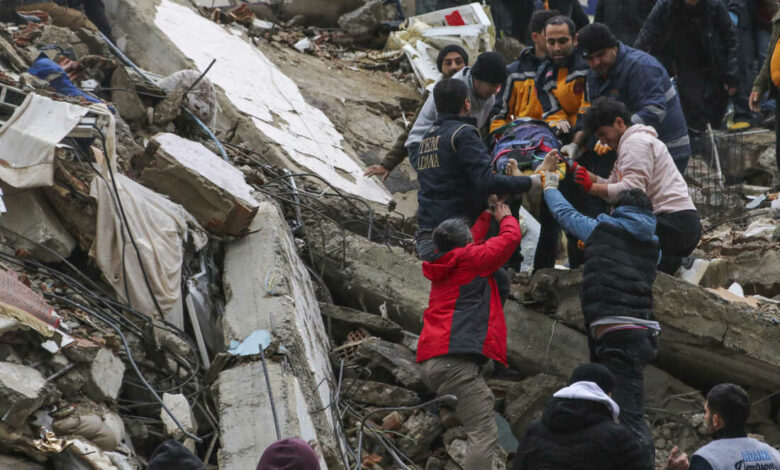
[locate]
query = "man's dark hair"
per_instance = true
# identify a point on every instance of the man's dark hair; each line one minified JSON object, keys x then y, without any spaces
{"x":539,"y":20}
{"x":559,"y":20}
{"x":449,"y":95}
{"x":451,"y":234}
{"x":634,"y":197}
{"x":603,"y":112}
{"x":731,"y":403}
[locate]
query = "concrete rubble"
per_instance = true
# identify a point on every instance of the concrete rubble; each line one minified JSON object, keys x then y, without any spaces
{"x":192,"y":252}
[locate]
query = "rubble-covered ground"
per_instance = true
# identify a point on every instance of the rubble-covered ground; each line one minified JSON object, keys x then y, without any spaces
{"x":157,"y":283}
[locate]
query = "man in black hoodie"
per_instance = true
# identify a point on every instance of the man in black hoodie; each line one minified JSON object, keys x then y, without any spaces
{"x":578,"y":429}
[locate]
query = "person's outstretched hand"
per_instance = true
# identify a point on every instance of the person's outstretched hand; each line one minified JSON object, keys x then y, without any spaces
{"x":582,"y":177}
{"x":677,"y":461}
{"x":502,"y":210}
{"x":375,"y":170}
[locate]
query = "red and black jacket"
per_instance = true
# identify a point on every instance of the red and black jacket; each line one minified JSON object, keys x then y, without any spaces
{"x":464,"y":314}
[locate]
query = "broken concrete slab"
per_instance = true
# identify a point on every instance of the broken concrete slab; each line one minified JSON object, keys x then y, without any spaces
{"x":104,"y":376}
{"x":18,"y":463}
{"x":532,"y":394}
{"x":279,"y":122}
{"x":345,"y":319}
{"x":378,"y":393}
{"x":267,"y":287}
{"x":21,"y":392}
{"x":181,"y":409}
{"x":421,"y":430}
{"x":704,"y":338}
{"x":31,"y":216}
{"x":366,"y":19}
{"x":245,"y":415}
{"x":319,"y":13}
{"x":211,"y":189}
{"x":397,"y":359}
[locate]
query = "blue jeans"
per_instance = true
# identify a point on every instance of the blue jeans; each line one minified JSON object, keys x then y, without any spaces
{"x":626,"y":353}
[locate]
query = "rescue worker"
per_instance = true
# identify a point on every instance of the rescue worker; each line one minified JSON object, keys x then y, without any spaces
{"x":451,"y":60}
{"x":578,"y":428}
{"x":621,"y":253}
{"x":453,"y":167}
{"x":644,"y":163}
{"x":768,"y":80}
{"x":483,"y":81}
{"x":560,"y":81}
{"x":568,"y":8}
{"x":726,"y":411}
{"x":624,"y":17}
{"x":518,"y":97}
{"x":638,"y":80}
{"x":697,"y":43}
{"x":464,"y":326}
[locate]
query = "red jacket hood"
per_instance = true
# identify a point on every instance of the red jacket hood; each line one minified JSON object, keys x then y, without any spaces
{"x":443,"y":267}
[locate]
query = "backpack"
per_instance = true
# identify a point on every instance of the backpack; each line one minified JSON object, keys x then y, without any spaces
{"x":525,"y":140}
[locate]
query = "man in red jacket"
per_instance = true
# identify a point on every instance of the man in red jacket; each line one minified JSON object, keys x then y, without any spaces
{"x":463,"y":326}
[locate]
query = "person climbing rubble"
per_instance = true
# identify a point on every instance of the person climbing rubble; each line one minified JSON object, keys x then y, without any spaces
{"x":726,"y":411}
{"x":643,"y":162}
{"x":451,"y":60}
{"x":454,"y":169}
{"x":464,"y":326}
{"x":518,"y":98}
{"x":578,"y":425}
{"x":483,"y":81}
{"x":66,"y":13}
{"x":621,"y":253}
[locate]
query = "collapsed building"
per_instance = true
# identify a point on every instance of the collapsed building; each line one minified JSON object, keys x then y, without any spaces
{"x":190,"y":250}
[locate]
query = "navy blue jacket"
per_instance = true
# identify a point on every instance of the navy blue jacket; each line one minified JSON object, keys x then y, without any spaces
{"x":455,"y":173}
{"x":642,"y":84}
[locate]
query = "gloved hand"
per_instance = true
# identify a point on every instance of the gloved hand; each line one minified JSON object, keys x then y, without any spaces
{"x":601,"y":148}
{"x":562,"y":126}
{"x":550,"y":180}
{"x":582,"y":177}
{"x":571,"y":150}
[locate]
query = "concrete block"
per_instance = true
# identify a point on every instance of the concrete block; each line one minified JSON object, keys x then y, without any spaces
{"x":245,"y":417}
{"x":180,"y":407}
{"x":378,"y":394}
{"x":532,"y":394}
{"x":268,"y":287}
{"x":211,"y":189}
{"x":30,"y":215}
{"x":104,"y":376}
{"x":21,"y":392}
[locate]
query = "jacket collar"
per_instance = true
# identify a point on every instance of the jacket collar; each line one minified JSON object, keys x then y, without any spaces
{"x":454,"y":117}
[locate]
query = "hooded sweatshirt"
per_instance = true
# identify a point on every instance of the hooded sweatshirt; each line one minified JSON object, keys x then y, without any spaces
{"x":644,"y":162}
{"x":578,"y":431}
{"x":464,"y":314}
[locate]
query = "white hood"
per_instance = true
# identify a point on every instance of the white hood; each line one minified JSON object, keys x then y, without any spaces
{"x":589,"y":391}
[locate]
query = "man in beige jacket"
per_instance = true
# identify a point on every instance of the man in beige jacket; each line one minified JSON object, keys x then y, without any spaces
{"x":644,"y":163}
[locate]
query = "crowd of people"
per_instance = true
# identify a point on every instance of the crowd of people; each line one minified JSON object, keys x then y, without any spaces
{"x":627,"y":111}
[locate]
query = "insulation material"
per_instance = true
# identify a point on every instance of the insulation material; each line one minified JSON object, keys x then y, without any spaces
{"x":273,"y":101}
{"x":160,"y":229}
{"x":28,"y":139}
{"x":469,"y":26}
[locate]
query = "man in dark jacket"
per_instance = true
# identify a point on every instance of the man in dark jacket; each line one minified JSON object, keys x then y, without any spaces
{"x":624,"y":17}
{"x":578,"y":429}
{"x":638,"y":80}
{"x":451,"y":60}
{"x":697,"y":42}
{"x":621,"y":254}
{"x":568,"y":8}
{"x":725,"y":411}
{"x":464,"y":326}
{"x":454,"y":169}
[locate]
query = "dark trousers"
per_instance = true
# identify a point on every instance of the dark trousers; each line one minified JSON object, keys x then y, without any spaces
{"x":678,"y":234}
{"x":703,"y":98}
{"x":753,"y":47}
{"x":626,"y":353}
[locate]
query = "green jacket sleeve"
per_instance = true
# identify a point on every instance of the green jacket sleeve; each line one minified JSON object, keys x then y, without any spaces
{"x":764,"y":78}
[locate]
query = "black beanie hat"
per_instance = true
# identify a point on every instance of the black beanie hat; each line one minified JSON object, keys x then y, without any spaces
{"x":490,"y":67}
{"x":451,"y":48}
{"x":592,"y":372}
{"x":595,"y":37}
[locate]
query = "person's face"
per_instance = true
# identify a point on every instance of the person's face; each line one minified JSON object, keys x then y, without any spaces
{"x":713,"y":420}
{"x":611,"y":135}
{"x":540,"y":43}
{"x":452,"y":64}
{"x":484,"y":89}
{"x":602,"y":61}
{"x":560,"y":43}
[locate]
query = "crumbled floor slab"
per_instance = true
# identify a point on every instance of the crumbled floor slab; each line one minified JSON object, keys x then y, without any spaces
{"x":21,"y":392}
{"x":104,"y":376}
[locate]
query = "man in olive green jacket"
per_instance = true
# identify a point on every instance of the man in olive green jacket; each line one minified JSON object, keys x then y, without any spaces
{"x":766,"y":82}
